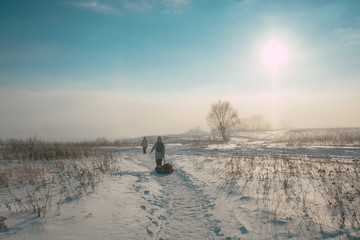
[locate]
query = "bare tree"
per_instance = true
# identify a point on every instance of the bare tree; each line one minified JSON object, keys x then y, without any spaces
{"x":222,"y":117}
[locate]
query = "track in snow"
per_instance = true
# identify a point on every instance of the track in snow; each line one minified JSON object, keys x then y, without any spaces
{"x":180,"y":210}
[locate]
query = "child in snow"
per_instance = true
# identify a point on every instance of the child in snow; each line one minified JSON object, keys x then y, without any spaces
{"x":144,"y":144}
{"x":159,"y":148}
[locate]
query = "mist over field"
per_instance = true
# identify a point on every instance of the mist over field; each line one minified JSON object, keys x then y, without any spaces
{"x":78,"y":116}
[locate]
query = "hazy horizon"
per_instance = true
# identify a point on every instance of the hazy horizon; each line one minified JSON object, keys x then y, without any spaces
{"x":86,"y":69}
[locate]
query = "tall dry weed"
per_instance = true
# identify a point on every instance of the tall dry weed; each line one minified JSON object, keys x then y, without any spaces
{"x":35,"y":176}
{"x":321,"y":195}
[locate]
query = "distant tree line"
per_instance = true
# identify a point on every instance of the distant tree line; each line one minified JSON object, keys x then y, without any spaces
{"x":253,"y":123}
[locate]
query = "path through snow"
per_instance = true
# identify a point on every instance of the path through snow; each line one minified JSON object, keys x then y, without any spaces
{"x":179,"y":209}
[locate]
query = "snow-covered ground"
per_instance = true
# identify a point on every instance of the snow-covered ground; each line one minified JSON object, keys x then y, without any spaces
{"x":208,"y":196}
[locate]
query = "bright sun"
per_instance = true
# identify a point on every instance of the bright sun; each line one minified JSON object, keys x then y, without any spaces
{"x":274,"y":55}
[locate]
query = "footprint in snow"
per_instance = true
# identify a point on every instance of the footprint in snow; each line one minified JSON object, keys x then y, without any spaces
{"x":149,"y":232}
{"x":243,"y":229}
{"x":162,"y":217}
{"x":137,"y":188}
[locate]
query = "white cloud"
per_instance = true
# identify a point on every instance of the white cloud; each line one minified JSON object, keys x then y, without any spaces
{"x":168,"y":5}
{"x":96,"y":5}
{"x":136,"y":5}
{"x":175,"y":3}
{"x":350,"y":35}
{"x":241,"y":2}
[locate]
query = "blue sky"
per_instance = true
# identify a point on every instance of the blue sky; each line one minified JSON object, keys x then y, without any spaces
{"x":147,"y":51}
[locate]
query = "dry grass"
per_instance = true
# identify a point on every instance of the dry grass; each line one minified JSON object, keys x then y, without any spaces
{"x":33,"y":149}
{"x":333,"y":136}
{"x":37,"y":176}
{"x":320,"y":196}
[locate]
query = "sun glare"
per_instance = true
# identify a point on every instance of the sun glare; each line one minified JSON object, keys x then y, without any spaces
{"x":274,"y":55}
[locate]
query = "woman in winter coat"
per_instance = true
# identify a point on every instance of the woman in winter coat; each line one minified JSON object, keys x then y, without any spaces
{"x":159,"y":148}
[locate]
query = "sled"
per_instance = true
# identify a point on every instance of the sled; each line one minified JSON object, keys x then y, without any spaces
{"x":167,"y":168}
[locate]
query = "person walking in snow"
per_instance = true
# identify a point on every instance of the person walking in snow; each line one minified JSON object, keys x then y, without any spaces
{"x":159,"y":148}
{"x":144,"y":144}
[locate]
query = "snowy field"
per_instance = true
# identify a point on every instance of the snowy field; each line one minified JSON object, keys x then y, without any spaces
{"x":260,"y":185}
